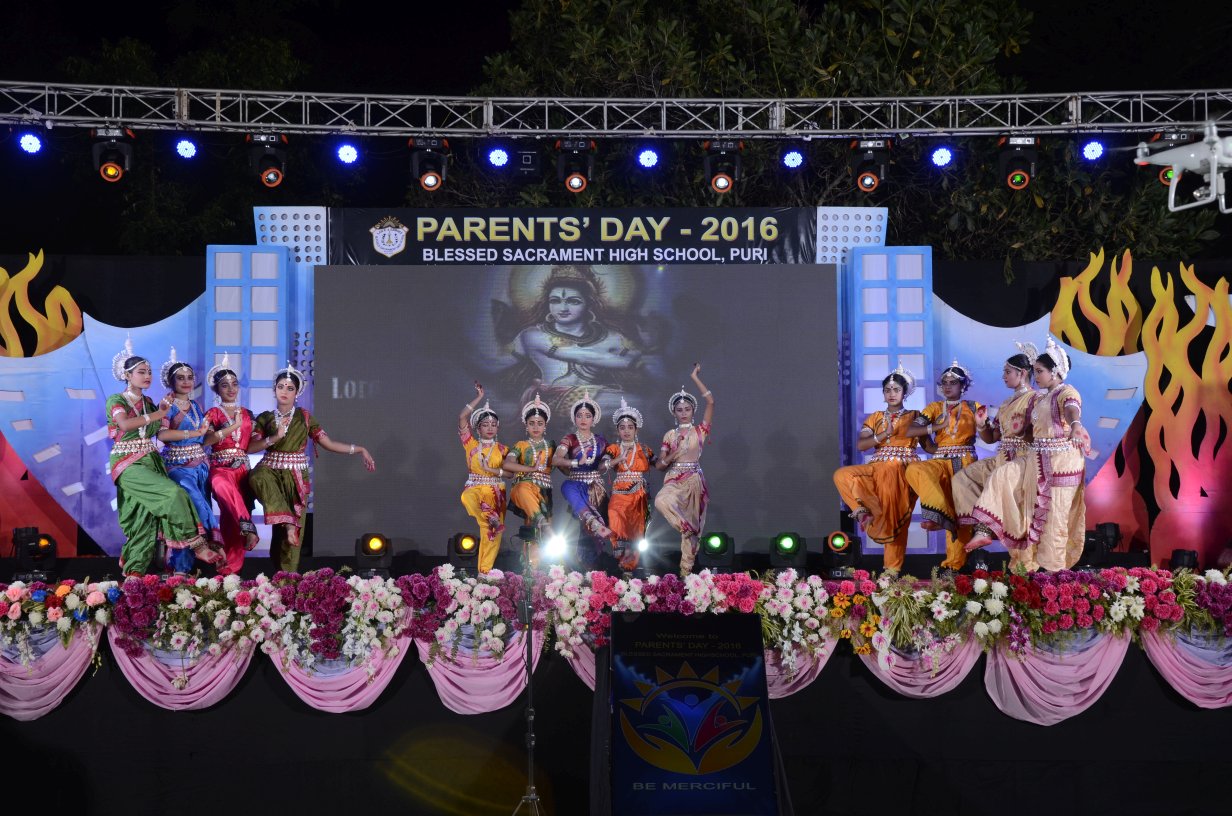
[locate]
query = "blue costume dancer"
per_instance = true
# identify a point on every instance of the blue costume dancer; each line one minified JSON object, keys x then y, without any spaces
{"x":578,"y":455}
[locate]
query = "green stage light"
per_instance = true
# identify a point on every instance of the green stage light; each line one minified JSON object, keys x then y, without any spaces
{"x":717,"y":552}
{"x":787,"y":550}
{"x":838,"y":542}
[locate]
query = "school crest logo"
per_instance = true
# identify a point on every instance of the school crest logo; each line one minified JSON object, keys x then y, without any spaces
{"x":389,"y":236}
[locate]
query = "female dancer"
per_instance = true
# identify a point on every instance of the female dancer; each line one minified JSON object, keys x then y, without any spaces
{"x":578,"y":455}
{"x":151,"y":506}
{"x":1035,"y":503}
{"x":877,"y":491}
{"x":280,"y":480}
{"x":484,"y":494}
{"x":951,"y":420}
{"x":183,"y":429}
{"x":1006,"y":428}
{"x":683,"y":497}
{"x":232,"y":432}
{"x":628,"y":511}
{"x":530,"y":461}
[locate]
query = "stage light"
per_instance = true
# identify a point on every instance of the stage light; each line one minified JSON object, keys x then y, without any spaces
{"x":373,"y":555}
{"x":942,"y":156}
{"x":838,"y":542}
{"x":348,"y":153}
{"x":648,"y":158}
{"x":430,"y":161}
{"x":1183,"y":559}
{"x":186,"y":148}
{"x":268,"y":157}
{"x":840,"y":554}
{"x":113,"y":152}
{"x":869,"y":158}
{"x":556,"y":549}
{"x":643,"y":545}
{"x":1093,"y":150}
{"x":721,"y":164}
{"x":716,"y":553}
{"x":498,"y":157}
{"x":575,"y":163}
{"x":36,"y":554}
{"x":464,"y":550}
{"x":791,"y":156}
{"x":1016,"y":159}
{"x":30,"y":143}
{"x":787,"y":550}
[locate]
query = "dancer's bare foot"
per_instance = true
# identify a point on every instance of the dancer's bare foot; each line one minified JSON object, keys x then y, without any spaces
{"x":976,"y":543}
{"x":928,"y":524}
{"x":863,"y":519}
{"x":292,"y":535}
{"x":252,"y":541}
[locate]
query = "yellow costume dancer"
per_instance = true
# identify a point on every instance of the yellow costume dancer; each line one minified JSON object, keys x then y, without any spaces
{"x":876,"y":491}
{"x":484,"y":494}
{"x":952,"y":422}
{"x":530,"y":494}
{"x":1036,"y":502}
{"x":1007,"y":428}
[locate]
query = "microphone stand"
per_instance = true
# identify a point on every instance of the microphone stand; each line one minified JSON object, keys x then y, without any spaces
{"x":526,"y":614}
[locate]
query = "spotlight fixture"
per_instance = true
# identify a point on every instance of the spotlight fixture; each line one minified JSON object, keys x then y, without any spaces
{"x":942,"y":156}
{"x":1016,"y":157}
{"x":792,"y":156}
{"x":869,"y":158}
{"x":788,"y":550}
{"x":430,"y":161}
{"x":464,"y":551}
{"x":1093,"y":150}
{"x":497,"y":157}
{"x":30,"y":143}
{"x":348,"y":153}
{"x":648,"y":158}
{"x":575,"y":163}
{"x":185,"y":148}
{"x":839,"y":555}
{"x":1183,"y":559}
{"x":373,"y":555}
{"x":268,"y":157}
{"x":36,"y":554}
{"x":113,"y":152}
{"x":721,"y":164}
{"x":716,"y":552}
{"x":556,"y":549}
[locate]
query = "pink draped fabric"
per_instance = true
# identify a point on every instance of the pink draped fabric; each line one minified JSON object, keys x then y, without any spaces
{"x":29,"y":692}
{"x":210,"y":679}
{"x":583,"y":664}
{"x":780,"y":683}
{"x":1045,"y":688}
{"x":1207,"y":683}
{"x":910,"y":678}
{"x":349,"y":690}
{"x":476,"y":684}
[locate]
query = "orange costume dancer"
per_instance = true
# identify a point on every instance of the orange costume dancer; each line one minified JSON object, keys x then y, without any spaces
{"x":484,"y":494}
{"x":877,"y":491}
{"x":628,"y":510}
{"x":530,"y":494}
{"x":951,"y":420}
{"x":1035,"y":504}
{"x":1007,"y":429}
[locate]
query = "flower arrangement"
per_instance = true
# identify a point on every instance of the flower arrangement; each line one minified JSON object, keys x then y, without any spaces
{"x":68,"y":605}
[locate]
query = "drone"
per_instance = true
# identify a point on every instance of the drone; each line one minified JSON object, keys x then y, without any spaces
{"x":1210,"y":157}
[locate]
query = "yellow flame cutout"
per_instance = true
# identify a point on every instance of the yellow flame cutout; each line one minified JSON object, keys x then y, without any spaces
{"x":55,"y":326}
{"x":1119,"y":327}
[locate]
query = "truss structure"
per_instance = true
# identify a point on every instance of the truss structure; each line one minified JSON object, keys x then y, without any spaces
{"x":197,"y":109}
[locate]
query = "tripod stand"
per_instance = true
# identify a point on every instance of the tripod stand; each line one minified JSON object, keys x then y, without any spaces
{"x":526,"y":614}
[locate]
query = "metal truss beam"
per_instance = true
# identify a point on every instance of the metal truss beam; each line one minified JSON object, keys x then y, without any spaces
{"x":197,"y":109}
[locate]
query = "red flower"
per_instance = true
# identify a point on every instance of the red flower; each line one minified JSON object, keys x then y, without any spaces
{"x":1148,"y":624}
{"x":1017,"y":580}
{"x":979,"y":573}
{"x":1066,"y":621}
{"x":165,"y":594}
{"x":963,"y":584}
{"x":1020,"y":594}
{"x":1050,"y":626}
{"x":1097,"y":612}
{"x":53,"y":601}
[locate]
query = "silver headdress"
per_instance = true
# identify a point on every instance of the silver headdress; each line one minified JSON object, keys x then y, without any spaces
{"x":964,"y":376}
{"x":294,"y":373}
{"x":589,"y":403}
{"x":679,"y":395}
{"x":225,"y":365}
{"x":627,"y":411}
{"x":1029,"y":351}
{"x":169,"y":367}
{"x":908,"y":376}
{"x":536,"y":405}
{"x":1058,"y":356}
{"x":117,"y":362}
{"x":478,"y":414}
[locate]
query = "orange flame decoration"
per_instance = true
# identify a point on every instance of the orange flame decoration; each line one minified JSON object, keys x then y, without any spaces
{"x":1188,"y":477}
{"x":55,"y":326}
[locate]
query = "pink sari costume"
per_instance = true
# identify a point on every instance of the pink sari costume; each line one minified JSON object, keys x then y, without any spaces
{"x":229,"y":481}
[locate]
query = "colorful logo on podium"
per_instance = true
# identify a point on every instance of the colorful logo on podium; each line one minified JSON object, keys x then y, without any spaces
{"x":690,"y":724}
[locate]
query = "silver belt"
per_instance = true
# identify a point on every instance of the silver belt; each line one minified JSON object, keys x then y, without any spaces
{"x":280,"y":460}
{"x":127,"y":447}
{"x":1051,"y":444}
{"x":895,"y":453}
{"x":226,"y":456}
{"x":179,"y":454}
{"x":686,"y":466}
{"x":474,"y":479}
{"x":954,"y":451}
{"x":584,"y":475}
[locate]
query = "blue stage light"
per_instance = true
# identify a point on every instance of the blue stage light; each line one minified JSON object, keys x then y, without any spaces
{"x":498,"y":157}
{"x":1092,"y":150}
{"x":186,"y":148}
{"x":30,"y":143}
{"x":942,"y":157}
{"x":347,"y":154}
{"x":793,"y":158}
{"x":648,"y":158}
